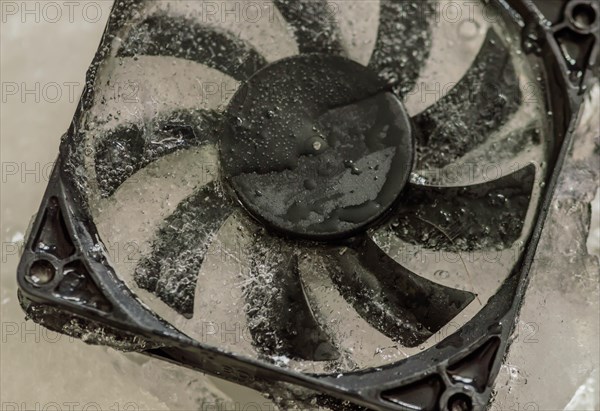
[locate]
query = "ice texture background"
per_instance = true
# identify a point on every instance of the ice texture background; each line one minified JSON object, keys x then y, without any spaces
{"x":553,"y":362}
{"x":552,"y":365}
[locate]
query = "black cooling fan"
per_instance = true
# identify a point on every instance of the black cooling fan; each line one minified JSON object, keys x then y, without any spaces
{"x":338,"y":199}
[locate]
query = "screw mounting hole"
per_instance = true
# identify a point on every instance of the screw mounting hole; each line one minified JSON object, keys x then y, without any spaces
{"x":583,"y":16}
{"x":41,"y":272}
{"x":460,"y":402}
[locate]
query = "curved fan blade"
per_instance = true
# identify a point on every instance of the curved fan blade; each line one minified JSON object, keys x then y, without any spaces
{"x":359,"y":343}
{"x":403,"y":42}
{"x":455,"y":43}
{"x":219,"y":318}
{"x":480,"y":272}
{"x":497,"y":155}
{"x":314,"y":25}
{"x":257,"y":23}
{"x":480,"y":103}
{"x":163,"y":35}
{"x":171,"y":270}
{"x":127,"y":149}
{"x":280,"y":320}
{"x":358,"y":23}
{"x":483,"y":216}
{"x":142,"y":88}
{"x":395,"y":301}
{"x":128,"y":220}
{"x":150,"y":107}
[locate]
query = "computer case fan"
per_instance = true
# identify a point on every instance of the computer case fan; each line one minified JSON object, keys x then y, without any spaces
{"x":278,"y":171}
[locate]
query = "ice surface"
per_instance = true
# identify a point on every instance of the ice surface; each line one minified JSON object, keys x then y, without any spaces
{"x":554,"y":361}
{"x":556,"y":348}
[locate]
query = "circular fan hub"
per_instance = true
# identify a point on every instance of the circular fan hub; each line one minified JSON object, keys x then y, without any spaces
{"x":315,"y":146}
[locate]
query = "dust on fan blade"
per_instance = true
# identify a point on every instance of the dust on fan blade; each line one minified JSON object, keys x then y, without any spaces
{"x":128,"y":148}
{"x":483,"y":216}
{"x":259,"y":25}
{"x":162,"y":35}
{"x":314,"y":25}
{"x":178,"y":251}
{"x":455,"y":44}
{"x":281,"y":321}
{"x":405,"y":307}
{"x":480,"y":103}
{"x":403,"y":42}
{"x":141,"y":204}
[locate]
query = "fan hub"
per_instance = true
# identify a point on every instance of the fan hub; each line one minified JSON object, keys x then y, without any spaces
{"x":316,"y":146}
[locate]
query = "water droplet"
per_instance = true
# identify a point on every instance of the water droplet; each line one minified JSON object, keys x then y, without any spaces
{"x":443,"y":274}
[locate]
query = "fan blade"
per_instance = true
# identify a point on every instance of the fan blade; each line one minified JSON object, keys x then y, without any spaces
{"x":219,"y":318}
{"x":127,"y":149}
{"x":511,"y":145}
{"x":280,"y":320}
{"x":398,"y":303}
{"x":483,"y":216}
{"x":171,"y":270}
{"x":163,"y":35}
{"x":358,"y":23}
{"x":151,"y":107}
{"x":403,"y":42}
{"x":480,"y":103}
{"x":128,"y":220}
{"x":480,"y":272}
{"x":314,"y":25}
{"x":456,"y":40}
{"x":259,"y":24}
{"x":140,"y":89}
{"x":359,"y":343}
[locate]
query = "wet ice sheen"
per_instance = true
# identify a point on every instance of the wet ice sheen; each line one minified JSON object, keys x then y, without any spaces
{"x":148,"y":139}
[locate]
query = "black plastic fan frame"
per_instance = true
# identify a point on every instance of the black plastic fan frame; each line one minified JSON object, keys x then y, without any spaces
{"x":71,"y":290}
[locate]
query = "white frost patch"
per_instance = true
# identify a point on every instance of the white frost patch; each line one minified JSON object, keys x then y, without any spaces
{"x":17,"y":237}
{"x":593,"y":241}
{"x":586,"y":396}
